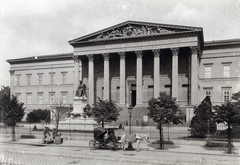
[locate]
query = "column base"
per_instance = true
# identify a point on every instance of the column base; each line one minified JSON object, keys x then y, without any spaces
{"x":189,"y":113}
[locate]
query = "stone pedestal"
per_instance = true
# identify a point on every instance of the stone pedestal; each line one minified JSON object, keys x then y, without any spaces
{"x":83,"y":124}
{"x":77,"y":120}
{"x":78,"y":104}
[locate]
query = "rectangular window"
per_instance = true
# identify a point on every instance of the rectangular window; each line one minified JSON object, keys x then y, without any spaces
{"x":208,"y":71}
{"x":29,"y":98}
{"x":208,"y":93}
{"x":18,"y":80}
{"x":64,"y":78}
{"x":18,"y":95}
{"x":226,"y":71}
{"x":51,"y":95}
{"x":52,"y":79}
{"x":40,"y":76}
{"x":118,"y":95}
{"x":64,"y":98}
{"x":226,"y":95}
{"x":40,"y":98}
{"x":102,"y":93}
{"x":29,"y":79}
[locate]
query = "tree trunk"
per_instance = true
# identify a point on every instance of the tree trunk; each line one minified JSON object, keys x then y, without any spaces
{"x":161,"y":140}
{"x":57,"y":120}
{"x":13,"y":133}
{"x":229,"y":139}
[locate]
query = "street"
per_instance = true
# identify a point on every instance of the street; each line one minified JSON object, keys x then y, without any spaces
{"x":16,"y":154}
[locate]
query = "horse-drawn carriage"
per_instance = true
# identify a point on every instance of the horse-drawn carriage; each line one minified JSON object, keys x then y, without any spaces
{"x":104,"y":138}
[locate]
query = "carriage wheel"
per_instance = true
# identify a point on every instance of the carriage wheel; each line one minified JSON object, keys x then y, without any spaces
{"x":113,"y":146}
{"x":119,"y":146}
{"x":93,"y":144}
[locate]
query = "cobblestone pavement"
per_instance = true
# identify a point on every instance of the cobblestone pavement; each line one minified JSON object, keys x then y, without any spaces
{"x":51,"y":155}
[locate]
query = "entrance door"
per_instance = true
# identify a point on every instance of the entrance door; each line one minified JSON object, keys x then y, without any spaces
{"x":133,"y":95}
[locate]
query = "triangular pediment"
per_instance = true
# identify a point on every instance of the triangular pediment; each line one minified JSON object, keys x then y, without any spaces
{"x":132,"y":29}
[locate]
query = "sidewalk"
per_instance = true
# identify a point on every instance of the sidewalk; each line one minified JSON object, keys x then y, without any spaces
{"x":180,"y":146}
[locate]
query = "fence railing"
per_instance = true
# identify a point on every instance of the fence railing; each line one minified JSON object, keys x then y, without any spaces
{"x":170,"y":131}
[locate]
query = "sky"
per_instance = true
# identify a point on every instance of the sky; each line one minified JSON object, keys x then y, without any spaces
{"x":33,"y":27}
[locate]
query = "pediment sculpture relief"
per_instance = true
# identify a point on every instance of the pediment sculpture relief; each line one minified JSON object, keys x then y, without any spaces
{"x":130,"y":31}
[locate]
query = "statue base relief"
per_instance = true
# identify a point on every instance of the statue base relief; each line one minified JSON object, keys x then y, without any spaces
{"x":78,"y":104}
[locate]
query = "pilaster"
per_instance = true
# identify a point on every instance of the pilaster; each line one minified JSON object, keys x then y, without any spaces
{"x":175,"y":52}
{"x":139,"y":55}
{"x":156,"y":74}
{"x":11,"y":82}
{"x":91,"y":78}
{"x":76,"y":72}
{"x":106,"y":76}
{"x":122,"y":56}
{"x":194,"y":75}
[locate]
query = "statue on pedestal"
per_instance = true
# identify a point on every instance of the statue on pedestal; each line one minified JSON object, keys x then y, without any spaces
{"x":81,"y":90}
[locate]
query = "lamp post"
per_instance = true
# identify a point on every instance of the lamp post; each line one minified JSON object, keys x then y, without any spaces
{"x":130,"y":115}
{"x":130,"y":147}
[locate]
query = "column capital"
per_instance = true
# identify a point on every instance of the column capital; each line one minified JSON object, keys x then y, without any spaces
{"x":175,"y":51}
{"x":106,"y":56}
{"x":122,"y":55}
{"x":194,"y":49}
{"x":90,"y":57}
{"x":139,"y":53}
{"x":75,"y":58}
{"x":156,"y":52}
{"x":11,"y":72}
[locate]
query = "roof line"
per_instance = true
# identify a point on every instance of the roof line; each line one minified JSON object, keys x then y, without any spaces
{"x":41,"y":57}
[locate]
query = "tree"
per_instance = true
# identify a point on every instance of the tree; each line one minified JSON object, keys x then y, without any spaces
{"x":163,"y":110}
{"x":4,"y":90}
{"x":39,"y":115}
{"x":228,"y":113}
{"x":203,"y":115}
{"x":236,"y":99}
{"x":13,"y":111}
{"x":58,"y":110}
{"x":103,"y":111}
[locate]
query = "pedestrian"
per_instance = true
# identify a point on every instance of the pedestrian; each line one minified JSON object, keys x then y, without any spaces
{"x":123,"y":125}
{"x":54,"y":133}
{"x":45,"y":132}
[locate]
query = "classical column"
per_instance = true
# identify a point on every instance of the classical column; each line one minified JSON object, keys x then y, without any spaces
{"x":122,"y":56}
{"x":76,"y":73}
{"x":106,"y":76}
{"x":156,"y":72}
{"x":175,"y":52}
{"x":91,"y":79}
{"x":194,"y":75}
{"x":139,"y":78}
{"x":11,"y":82}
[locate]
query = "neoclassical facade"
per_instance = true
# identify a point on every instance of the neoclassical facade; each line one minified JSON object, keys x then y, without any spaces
{"x":132,"y":62}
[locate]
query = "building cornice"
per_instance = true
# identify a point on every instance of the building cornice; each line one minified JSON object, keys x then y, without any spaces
{"x":110,"y":40}
{"x":222,"y":43}
{"x":42,"y":58}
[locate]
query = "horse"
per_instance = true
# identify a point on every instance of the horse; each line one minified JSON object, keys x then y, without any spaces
{"x":134,"y":138}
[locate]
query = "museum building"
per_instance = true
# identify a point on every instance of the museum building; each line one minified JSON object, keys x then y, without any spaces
{"x":130,"y":63}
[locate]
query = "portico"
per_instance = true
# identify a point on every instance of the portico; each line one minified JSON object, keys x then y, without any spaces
{"x":141,"y":58}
